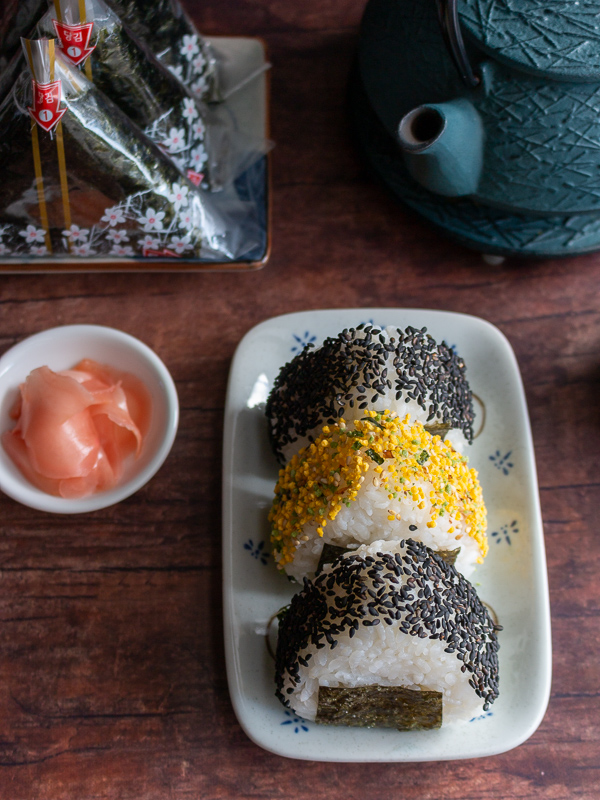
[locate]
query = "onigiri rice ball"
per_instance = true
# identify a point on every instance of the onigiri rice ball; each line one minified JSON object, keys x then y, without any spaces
{"x":389,"y":635}
{"x":377,"y":478}
{"x":404,"y":371}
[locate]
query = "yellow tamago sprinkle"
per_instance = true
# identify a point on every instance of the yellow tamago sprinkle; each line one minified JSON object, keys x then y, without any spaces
{"x":321,"y":478}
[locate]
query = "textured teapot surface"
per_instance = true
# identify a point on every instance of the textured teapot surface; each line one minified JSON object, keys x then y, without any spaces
{"x":512,"y":166}
{"x":542,"y":142}
{"x":541,"y":136}
{"x":554,"y":38}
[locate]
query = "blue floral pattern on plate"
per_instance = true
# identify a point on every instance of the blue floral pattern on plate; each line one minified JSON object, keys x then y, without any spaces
{"x":502,"y":462}
{"x":257,"y":551}
{"x":297,"y":723}
{"x":482,"y":716}
{"x":505,"y":532}
{"x":302,"y":341}
{"x":308,"y":338}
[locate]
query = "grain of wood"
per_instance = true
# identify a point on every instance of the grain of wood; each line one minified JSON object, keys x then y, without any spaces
{"x":112,"y":674}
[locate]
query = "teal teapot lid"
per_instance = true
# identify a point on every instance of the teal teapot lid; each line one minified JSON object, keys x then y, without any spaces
{"x":559,"y":39}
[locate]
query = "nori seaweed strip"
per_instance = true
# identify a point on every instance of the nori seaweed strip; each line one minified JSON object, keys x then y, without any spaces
{"x":175,"y":40}
{"x":438,"y":430}
{"x":151,"y":96}
{"x":449,"y":556}
{"x":329,"y":554}
{"x":380,"y":706}
{"x":111,"y":167}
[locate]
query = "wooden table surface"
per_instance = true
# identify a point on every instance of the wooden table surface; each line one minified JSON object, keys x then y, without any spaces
{"x":112,"y":671}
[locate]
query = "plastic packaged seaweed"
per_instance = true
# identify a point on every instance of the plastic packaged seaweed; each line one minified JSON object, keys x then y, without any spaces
{"x":17,"y":18}
{"x":81,"y":180}
{"x":92,"y":36}
{"x":163,"y":24}
{"x":175,"y":40}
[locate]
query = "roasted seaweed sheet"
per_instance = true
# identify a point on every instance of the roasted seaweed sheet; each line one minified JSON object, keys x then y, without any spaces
{"x":146,"y":91}
{"x":162,"y":24}
{"x":329,"y":554}
{"x":126,"y":198}
{"x":380,"y":706}
{"x":175,"y":40}
{"x":449,"y":556}
{"x":438,"y":429}
{"x":17,"y":18}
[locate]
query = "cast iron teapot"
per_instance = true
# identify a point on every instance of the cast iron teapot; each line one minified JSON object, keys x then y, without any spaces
{"x":494,"y":135}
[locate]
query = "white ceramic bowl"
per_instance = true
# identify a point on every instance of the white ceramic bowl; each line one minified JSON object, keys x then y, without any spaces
{"x":61,"y":348}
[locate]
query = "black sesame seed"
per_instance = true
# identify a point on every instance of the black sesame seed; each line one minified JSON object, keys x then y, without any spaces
{"x":450,"y":611}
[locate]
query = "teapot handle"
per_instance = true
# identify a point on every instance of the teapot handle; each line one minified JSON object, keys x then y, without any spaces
{"x":448,"y":16}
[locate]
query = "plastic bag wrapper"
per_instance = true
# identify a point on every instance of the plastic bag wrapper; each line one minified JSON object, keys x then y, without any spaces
{"x":175,"y":40}
{"x":81,"y":180}
{"x":9,"y":75}
{"x":17,"y":18}
{"x":163,"y":24}
{"x":151,"y":96}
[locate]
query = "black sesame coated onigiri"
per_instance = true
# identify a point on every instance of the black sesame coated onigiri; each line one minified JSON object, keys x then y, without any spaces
{"x":388,"y":635}
{"x":367,"y":367}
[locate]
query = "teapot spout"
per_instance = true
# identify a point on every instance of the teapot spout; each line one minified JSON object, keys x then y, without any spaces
{"x":443,"y":146}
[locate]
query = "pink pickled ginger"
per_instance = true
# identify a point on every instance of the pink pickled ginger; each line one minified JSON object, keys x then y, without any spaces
{"x":76,"y":428}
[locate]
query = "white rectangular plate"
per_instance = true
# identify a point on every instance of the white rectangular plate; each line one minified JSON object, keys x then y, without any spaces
{"x":513,"y":579}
